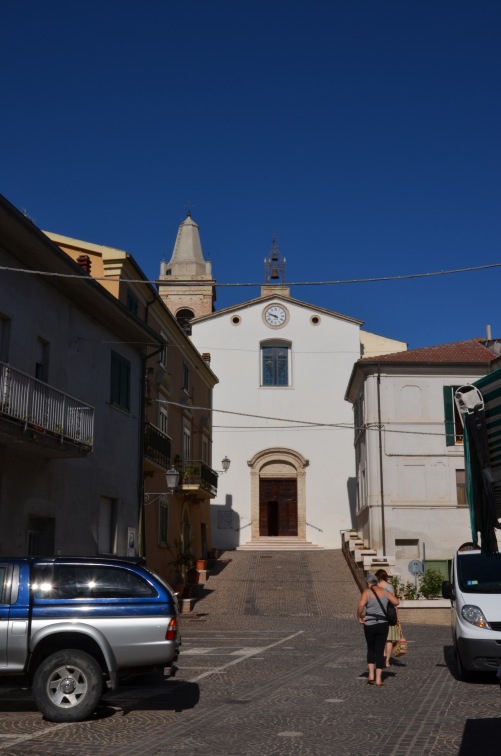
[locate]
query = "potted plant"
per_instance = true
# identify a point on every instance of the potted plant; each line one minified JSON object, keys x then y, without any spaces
{"x":183,"y":560}
{"x":192,"y":575}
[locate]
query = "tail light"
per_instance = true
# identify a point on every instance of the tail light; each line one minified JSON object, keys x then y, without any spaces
{"x":171,"y":633}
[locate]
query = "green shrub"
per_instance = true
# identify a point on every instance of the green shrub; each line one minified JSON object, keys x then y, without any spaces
{"x":430,"y":584}
{"x":403,"y":590}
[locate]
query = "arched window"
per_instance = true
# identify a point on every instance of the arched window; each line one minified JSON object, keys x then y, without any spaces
{"x":183,"y":317}
{"x":275,"y":363}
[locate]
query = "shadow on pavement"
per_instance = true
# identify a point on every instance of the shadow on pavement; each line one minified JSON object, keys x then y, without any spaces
{"x":217,"y":566}
{"x":474,"y":678}
{"x":176,"y":696}
{"x":481,"y":736}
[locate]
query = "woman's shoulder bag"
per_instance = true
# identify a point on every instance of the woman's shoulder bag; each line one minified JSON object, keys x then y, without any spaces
{"x":390,"y":612}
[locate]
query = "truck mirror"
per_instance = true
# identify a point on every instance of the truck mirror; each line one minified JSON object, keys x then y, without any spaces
{"x":448,"y":590}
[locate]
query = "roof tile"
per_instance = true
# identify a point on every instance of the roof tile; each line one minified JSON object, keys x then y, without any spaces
{"x":469,"y":352}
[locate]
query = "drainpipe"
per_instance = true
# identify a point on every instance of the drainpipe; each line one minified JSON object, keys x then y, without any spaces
{"x":380,"y":435}
{"x":141,"y":537}
{"x":141,"y":542}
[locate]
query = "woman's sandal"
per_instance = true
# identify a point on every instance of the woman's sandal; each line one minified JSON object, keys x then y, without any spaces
{"x":371,"y":682}
{"x":378,"y":685}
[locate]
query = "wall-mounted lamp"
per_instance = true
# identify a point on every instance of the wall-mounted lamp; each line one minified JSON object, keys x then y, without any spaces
{"x":171,"y":480}
{"x":225,"y":462}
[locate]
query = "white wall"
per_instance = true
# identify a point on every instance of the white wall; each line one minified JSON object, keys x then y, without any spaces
{"x":322,"y":359}
{"x":419,"y":469}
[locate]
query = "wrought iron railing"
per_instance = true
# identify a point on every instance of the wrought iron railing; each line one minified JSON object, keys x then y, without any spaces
{"x":197,"y":474}
{"x":43,"y":407}
{"x":157,"y":445}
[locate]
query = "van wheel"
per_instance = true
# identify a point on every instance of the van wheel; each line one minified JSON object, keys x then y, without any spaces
{"x":465,"y":675}
{"x":67,"y":686}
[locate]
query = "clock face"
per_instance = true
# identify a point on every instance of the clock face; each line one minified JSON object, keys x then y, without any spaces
{"x":275,"y":316}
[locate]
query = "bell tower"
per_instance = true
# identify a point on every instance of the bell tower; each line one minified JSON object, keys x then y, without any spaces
{"x":186,"y":284}
{"x":274,"y":273}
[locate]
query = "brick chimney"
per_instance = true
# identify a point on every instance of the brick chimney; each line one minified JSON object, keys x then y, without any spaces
{"x":85,"y":263}
{"x":206,"y":357}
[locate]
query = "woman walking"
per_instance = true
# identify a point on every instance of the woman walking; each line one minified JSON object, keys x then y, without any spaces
{"x":394,"y":632}
{"x":371,"y":614}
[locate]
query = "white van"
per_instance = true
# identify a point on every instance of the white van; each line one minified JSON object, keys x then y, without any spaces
{"x":475,"y":594}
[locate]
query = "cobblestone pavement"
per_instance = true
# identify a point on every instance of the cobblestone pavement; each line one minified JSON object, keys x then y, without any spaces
{"x":272,"y":664}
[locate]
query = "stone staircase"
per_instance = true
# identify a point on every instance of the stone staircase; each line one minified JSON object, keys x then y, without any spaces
{"x":366,"y":559}
{"x":279,"y":543}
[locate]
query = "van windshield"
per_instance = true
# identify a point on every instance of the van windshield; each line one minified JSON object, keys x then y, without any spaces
{"x":479,"y":574}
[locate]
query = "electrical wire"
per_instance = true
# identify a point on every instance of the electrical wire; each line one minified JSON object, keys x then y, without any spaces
{"x":302,"y":424}
{"x":164,"y":282}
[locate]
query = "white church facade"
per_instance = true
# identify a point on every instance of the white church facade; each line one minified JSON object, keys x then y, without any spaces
{"x":279,"y":411}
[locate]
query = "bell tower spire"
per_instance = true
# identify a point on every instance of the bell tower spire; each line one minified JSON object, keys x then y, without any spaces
{"x":186,"y":283}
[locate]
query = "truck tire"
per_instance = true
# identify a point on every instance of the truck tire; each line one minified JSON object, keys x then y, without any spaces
{"x":67,"y":686}
{"x":465,"y":675}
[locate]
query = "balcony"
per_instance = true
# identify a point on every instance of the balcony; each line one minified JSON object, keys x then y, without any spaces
{"x":157,"y":448}
{"x":34,"y":413}
{"x":197,"y":478}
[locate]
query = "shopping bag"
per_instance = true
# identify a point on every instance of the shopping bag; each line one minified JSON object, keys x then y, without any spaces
{"x":400,"y":647}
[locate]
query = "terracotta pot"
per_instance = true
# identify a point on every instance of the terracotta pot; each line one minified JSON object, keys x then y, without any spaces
{"x":201,"y":564}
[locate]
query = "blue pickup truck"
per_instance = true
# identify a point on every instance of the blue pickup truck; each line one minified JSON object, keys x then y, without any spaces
{"x":72,"y":625}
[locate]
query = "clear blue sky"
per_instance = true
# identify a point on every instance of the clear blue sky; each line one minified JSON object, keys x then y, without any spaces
{"x":365,"y":134}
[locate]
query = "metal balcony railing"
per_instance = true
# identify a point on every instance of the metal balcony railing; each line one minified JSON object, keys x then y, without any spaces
{"x":197,"y":475}
{"x":157,"y":445}
{"x":44,"y":408}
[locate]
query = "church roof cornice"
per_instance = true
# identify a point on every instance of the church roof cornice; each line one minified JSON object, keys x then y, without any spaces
{"x":275,"y":298}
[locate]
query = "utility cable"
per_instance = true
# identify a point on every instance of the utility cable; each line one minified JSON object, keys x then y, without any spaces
{"x":180,"y":283}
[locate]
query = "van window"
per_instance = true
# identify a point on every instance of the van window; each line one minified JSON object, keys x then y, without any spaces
{"x":479,"y":574}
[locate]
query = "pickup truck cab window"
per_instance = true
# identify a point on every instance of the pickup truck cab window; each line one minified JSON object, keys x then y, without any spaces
{"x":61,"y":581}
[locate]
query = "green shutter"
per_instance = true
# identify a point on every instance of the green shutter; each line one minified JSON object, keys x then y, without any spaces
{"x":450,"y":435}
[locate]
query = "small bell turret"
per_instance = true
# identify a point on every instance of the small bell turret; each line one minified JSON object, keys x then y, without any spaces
{"x":274,"y":265}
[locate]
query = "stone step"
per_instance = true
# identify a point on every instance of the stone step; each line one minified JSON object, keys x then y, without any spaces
{"x":354,"y":545}
{"x":372,"y":563}
{"x":359,"y":554}
{"x":279,"y":544}
{"x":352,"y":535}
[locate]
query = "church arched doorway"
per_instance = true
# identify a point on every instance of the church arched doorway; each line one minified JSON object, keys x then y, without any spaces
{"x":278,"y":494}
{"x":278,"y":507}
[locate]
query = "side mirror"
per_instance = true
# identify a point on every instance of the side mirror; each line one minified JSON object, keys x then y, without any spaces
{"x":448,"y":590}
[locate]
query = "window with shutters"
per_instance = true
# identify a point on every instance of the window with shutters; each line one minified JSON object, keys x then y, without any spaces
{"x":453,"y":426}
{"x":163,"y":420}
{"x":120,"y":382}
{"x":186,"y":377}
{"x":132,"y":303}
{"x":107,"y":526}
{"x":42,"y":360}
{"x":4,"y":338}
{"x":186,"y":442}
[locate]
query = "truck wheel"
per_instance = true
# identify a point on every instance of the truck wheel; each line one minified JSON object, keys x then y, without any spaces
{"x":67,"y":686}
{"x":465,"y":675}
